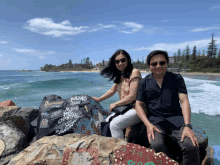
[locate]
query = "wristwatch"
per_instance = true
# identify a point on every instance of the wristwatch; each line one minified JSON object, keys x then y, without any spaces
{"x":188,"y":125}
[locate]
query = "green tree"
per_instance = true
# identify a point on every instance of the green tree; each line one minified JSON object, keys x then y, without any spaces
{"x":212,"y":47}
{"x":194,"y":53}
{"x":187,"y":53}
{"x":218,"y":53}
{"x":178,"y":55}
{"x":203,"y":53}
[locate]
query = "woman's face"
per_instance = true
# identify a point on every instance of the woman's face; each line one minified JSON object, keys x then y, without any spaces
{"x":121,"y":62}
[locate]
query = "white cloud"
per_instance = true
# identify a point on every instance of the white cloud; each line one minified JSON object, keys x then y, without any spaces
{"x":3,"y":42}
{"x":215,"y":7}
{"x":1,"y":55}
{"x":205,"y":29}
{"x":135,"y":27}
{"x":47,"y":26}
{"x":40,"y":54}
{"x":41,"y":57}
{"x":9,"y":60}
{"x":174,"y":47}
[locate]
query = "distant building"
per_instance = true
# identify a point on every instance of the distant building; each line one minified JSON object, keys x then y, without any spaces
{"x":100,"y":64}
{"x":171,"y":60}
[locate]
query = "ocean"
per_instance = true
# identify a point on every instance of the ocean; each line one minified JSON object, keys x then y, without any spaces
{"x":27,"y":89}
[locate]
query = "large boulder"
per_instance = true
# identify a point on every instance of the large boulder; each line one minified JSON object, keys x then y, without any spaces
{"x":77,"y":114}
{"x":75,"y":149}
{"x":14,"y":141}
{"x":7,"y":103}
{"x":21,"y":117}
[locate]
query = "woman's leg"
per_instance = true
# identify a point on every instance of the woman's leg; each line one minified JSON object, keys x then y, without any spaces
{"x":119,"y":123}
{"x":107,"y":119}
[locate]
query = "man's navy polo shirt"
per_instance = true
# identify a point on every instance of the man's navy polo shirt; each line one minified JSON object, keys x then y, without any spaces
{"x":162,"y":103}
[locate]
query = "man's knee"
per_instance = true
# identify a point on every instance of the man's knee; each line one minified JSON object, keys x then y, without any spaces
{"x":158,"y":144}
{"x":190,"y":151}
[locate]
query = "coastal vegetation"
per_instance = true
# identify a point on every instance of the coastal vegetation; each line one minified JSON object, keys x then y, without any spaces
{"x":205,"y":61}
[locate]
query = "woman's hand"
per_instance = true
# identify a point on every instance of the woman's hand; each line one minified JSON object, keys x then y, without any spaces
{"x":96,"y":99}
{"x":150,"y":131}
{"x":112,"y":106}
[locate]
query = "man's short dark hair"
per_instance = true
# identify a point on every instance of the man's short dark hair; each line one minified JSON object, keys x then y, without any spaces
{"x":156,"y":52}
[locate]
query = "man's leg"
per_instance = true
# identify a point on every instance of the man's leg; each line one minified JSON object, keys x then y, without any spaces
{"x":119,"y":123}
{"x":158,"y":144}
{"x":189,"y":151}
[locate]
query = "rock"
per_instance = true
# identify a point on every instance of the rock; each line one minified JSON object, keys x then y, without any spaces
{"x":77,"y":114}
{"x":5,"y":109}
{"x":208,"y":160}
{"x":22,"y":118}
{"x":138,"y":135}
{"x":14,"y":141}
{"x":75,"y":149}
{"x":7,"y":103}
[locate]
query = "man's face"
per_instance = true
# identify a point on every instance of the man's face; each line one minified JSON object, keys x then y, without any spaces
{"x":158,"y":65}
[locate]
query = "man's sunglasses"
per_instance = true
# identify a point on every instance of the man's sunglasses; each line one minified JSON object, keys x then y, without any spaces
{"x":122,"y":60}
{"x":162,"y":63}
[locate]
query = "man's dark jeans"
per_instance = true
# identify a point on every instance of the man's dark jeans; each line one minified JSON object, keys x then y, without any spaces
{"x":172,"y":135}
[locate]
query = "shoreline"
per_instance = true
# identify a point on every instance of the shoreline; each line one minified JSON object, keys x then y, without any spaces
{"x":182,"y":73}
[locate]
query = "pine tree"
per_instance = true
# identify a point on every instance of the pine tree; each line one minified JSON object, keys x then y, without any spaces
{"x":194,"y":53}
{"x":187,"y":53}
{"x":212,"y":48}
{"x":70,"y":64}
{"x":203,"y":53}
{"x":218,"y":53}
{"x":178,"y":55}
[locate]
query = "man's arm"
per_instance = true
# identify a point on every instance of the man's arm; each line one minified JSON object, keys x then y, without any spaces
{"x":187,"y":117}
{"x":150,"y":127}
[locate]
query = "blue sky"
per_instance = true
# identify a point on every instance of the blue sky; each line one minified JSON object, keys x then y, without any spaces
{"x":35,"y":33}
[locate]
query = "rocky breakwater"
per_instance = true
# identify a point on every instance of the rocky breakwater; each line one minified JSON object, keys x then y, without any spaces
{"x":81,"y":143}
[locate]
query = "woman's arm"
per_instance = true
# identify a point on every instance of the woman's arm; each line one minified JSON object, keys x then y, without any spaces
{"x":133,"y":89}
{"x":108,"y":94}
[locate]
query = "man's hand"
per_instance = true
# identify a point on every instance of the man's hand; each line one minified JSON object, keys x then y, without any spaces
{"x":150,"y":131}
{"x":112,"y":106}
{"x":187,"y":132}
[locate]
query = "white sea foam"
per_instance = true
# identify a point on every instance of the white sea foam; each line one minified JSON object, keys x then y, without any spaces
{"x":5,"y":87}
{"x":203,"y":96}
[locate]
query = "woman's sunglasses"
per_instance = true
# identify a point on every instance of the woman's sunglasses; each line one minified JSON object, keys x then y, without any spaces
{"x":162,"y":63}
{"x":122,"y":60}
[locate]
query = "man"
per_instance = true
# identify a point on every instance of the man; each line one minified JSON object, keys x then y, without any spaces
{"x":162,"y":92}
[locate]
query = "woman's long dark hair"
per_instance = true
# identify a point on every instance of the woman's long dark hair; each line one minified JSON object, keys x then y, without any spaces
{"x":112,"y":72}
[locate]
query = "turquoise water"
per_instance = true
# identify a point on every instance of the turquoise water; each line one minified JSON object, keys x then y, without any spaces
{"x":27,"y":89}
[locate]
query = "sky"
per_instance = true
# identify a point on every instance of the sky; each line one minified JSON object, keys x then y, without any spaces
{"x":35,"y":33}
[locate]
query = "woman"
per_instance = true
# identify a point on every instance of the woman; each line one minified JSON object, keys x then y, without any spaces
{"x":126,"y":80}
